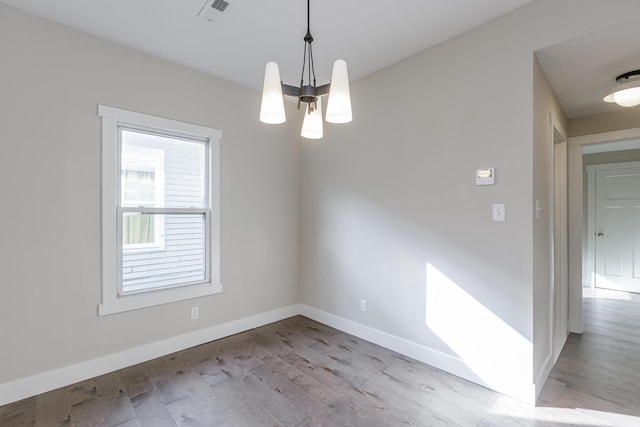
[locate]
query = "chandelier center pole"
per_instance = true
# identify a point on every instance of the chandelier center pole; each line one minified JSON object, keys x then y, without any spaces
{"x":308,"y":91}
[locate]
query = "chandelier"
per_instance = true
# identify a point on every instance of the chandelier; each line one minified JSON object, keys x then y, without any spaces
{"x":339,"y":99}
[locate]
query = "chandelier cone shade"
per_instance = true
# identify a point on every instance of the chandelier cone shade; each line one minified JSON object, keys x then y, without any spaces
{"x":312,"y":124}
{"x":272,"y":108}
{"x":339,"y":105}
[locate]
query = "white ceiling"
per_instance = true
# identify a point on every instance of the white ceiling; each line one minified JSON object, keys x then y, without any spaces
{"x":582,"y":69}
{"x":369,"y":34}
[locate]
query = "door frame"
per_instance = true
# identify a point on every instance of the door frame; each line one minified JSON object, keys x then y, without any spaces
{"x":590,"y":267}
{"x":577,"y":228}
{"x":558,"y":230}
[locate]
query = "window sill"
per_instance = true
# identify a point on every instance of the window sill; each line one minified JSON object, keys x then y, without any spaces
{"x":153,"y":298}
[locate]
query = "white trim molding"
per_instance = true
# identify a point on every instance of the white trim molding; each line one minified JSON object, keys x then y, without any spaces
{"x":543,"y":374}
{"x":40,"y":383}
{"x":22,"y":388}
{"x":114,"y":300}
{"x":558,"y":248}
{"x":429,"y":356}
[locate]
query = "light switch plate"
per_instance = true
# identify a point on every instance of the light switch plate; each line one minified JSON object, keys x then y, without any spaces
{"x":499,"y":212}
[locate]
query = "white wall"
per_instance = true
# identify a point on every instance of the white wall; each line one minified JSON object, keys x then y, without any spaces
{"x":53,"y":78}
{"x":390,"y":212}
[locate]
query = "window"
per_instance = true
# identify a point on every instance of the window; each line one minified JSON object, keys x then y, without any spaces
{"x":160,"y":210}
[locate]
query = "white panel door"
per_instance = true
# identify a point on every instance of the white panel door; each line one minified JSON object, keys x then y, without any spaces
{"x":617,"y":242}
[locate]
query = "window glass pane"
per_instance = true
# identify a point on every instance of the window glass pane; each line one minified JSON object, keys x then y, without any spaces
{"x":138,"y":186}
{"x":182,"y":261}
{"x":175,"y":165}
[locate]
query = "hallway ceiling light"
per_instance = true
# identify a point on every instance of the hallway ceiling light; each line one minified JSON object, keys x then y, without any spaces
{"x":338,"y":104}
{"x":626,"y":92}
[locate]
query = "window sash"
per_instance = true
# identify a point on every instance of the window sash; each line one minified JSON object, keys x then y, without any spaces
{"x":148,"y":210}
{"x":206,"y":213}
{"x":121,"y":209}
{"x":124,"y":206}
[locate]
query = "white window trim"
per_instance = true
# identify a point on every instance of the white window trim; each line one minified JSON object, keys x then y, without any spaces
{"x":111,"y":302}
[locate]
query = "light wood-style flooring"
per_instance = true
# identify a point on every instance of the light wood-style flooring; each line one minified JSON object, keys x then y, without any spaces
{"x":298,"y":372}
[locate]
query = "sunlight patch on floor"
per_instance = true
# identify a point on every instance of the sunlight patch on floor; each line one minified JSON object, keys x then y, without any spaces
{"x":605,"y":293}
{"x":507,"y":407}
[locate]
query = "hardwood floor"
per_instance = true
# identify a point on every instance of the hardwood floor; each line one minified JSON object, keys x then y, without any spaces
{"x":598,"y":372}
{"x":298,"y":372}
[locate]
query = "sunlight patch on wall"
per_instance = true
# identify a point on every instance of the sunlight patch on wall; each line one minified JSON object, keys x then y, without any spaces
{"x":493,"y":350}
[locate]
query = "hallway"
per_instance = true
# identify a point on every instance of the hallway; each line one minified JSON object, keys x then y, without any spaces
{"x":598,"y":372}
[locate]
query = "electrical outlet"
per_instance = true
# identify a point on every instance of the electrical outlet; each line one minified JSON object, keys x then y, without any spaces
{"x":194,"y":313}
{"x":363,"y":305}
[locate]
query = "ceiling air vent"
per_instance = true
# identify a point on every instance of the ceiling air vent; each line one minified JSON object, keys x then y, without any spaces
{"x":212,"y":9}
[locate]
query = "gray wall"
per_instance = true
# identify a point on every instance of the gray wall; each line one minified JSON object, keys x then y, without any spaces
{"x":390,"y":212}
{"x":53,"y":79}
{"x":624,"y":118}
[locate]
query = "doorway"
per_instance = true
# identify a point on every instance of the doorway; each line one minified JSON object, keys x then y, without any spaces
{"x":613,"y":225}
{"x":579,"y":274}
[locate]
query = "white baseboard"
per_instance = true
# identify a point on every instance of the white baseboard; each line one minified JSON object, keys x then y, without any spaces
{"x":40,"y":383}
{"x":392,"y":342}
{"x":437,"y":359}
{"x":51,"y":380}
{"x":543,"y":374}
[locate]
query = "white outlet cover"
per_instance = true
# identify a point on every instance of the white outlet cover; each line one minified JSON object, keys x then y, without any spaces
{"x":499,"y":212}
